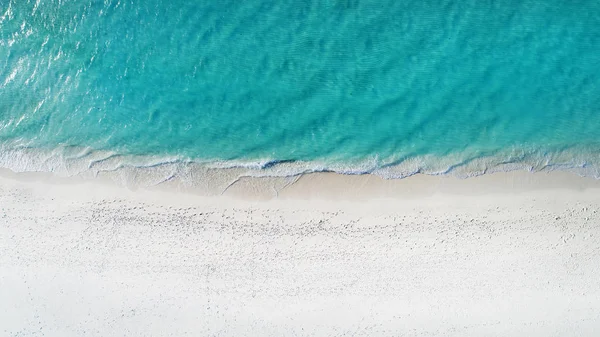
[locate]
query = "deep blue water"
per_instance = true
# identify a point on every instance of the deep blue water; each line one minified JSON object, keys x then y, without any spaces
{"x":357,"y":84}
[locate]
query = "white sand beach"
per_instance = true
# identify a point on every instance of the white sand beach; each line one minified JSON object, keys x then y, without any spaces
{"x":506,"y":254}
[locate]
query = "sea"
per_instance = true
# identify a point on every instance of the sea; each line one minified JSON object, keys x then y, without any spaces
{"x":283,"y":88}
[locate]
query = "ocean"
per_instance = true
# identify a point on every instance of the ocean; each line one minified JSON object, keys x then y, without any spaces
{"x":389,"y":87}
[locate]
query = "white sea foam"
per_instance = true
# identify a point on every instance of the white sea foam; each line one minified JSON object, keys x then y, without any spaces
{"x":146,"y":171}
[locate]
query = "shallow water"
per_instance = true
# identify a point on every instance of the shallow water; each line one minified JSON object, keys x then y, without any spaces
{"x":395,"y":87}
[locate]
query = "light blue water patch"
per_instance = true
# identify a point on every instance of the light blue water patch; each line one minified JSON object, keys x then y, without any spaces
{"x":338,"y":82}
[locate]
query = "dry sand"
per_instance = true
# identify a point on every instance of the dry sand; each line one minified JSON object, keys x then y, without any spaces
{"x":508,"y":254}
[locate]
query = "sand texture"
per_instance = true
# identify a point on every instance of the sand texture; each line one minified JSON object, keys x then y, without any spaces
{"x":431,"y":259}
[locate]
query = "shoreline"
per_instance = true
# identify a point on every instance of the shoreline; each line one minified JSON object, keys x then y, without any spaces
{"x":264,"y":179}
{"x":503,"y":254}
{"x":335,"y":186}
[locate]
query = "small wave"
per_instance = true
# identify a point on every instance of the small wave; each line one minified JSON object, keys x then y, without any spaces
{"x":145,"y":171}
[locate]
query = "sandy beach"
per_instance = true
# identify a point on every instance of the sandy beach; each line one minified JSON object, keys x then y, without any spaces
{"x":506,"y":254}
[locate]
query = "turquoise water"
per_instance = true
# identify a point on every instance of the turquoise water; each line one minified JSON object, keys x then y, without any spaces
{"x":346,"y":85}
